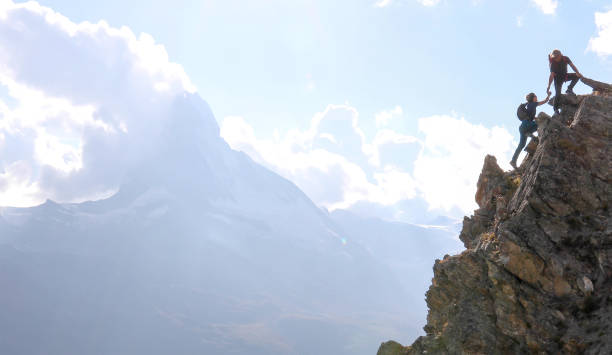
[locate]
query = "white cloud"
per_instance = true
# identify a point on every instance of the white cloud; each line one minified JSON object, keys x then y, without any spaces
{"x":326,"y":161}
{"x":383,"y":117}
{"x":338,"y":167}
{"x":429,"y":2}
{"x":384,"y":3}
{"x":383,"y":138}
{"x":447,"y":169}
{"x":602,"y":44}
{"x":87,"y":98}
{"x":548,"y":7}
{"x":15,"y":186}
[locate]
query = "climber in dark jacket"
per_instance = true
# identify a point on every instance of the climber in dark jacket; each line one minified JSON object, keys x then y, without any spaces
{"x":558,"y":73}
{"x":528,"y":126}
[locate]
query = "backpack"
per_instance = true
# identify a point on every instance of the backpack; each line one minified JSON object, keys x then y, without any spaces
{"x":521,"y":112}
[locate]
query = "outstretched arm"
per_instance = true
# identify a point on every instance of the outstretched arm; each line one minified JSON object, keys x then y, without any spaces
{"x":545,"y":100}
{"x":550,"y":80}
{"x":575,"y":69}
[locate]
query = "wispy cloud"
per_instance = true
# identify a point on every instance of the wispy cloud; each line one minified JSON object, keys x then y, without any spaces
{"x":548,"y":7}
{"x":311,"y":85}
{"x":382,"y":3}
{"x":429,"y":2}
{"x":383,"y":117}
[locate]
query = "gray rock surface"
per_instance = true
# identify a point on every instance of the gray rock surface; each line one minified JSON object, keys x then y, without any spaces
{"x":598,"y":86}
{"x":536,"y":275}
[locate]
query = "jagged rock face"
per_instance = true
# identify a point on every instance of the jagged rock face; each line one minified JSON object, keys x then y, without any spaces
{"x":536,"y":275}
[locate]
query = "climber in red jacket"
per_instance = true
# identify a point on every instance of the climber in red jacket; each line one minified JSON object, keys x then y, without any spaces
{"x":558,"y":73}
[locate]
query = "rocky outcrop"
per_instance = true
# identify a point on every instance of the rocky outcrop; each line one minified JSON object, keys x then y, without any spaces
{"x":536,"y":275}
{"x":598,"y":87}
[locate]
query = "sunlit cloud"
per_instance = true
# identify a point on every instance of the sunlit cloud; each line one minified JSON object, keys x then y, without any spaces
{"x":447,"y":169}
{"x":326,"y":161}
{"x":338,"y":167}
{"x":81,"y":114}
{"x":602,"y":43}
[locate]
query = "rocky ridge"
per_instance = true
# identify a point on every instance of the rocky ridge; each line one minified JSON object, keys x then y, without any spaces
{"x":536,"y":275}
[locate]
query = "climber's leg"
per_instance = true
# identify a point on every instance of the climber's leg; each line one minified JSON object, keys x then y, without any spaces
{"x":521,"y":145}
{"x":558,"y":86}
{"x":574,"y":79}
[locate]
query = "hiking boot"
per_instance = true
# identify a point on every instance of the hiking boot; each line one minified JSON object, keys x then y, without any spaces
{"x":569,"y":91}
{"x":513,"y":163}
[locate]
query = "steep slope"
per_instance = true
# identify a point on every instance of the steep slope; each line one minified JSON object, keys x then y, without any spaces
{"x":537,"y":273}
{"x":200,"y":251}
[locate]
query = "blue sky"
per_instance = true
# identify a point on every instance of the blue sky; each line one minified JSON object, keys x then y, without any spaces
{"x":253,"y":58}
{"x":386,"y":107}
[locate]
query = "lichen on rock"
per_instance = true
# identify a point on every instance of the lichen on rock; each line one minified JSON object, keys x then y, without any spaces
{"x":536,"y":275}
